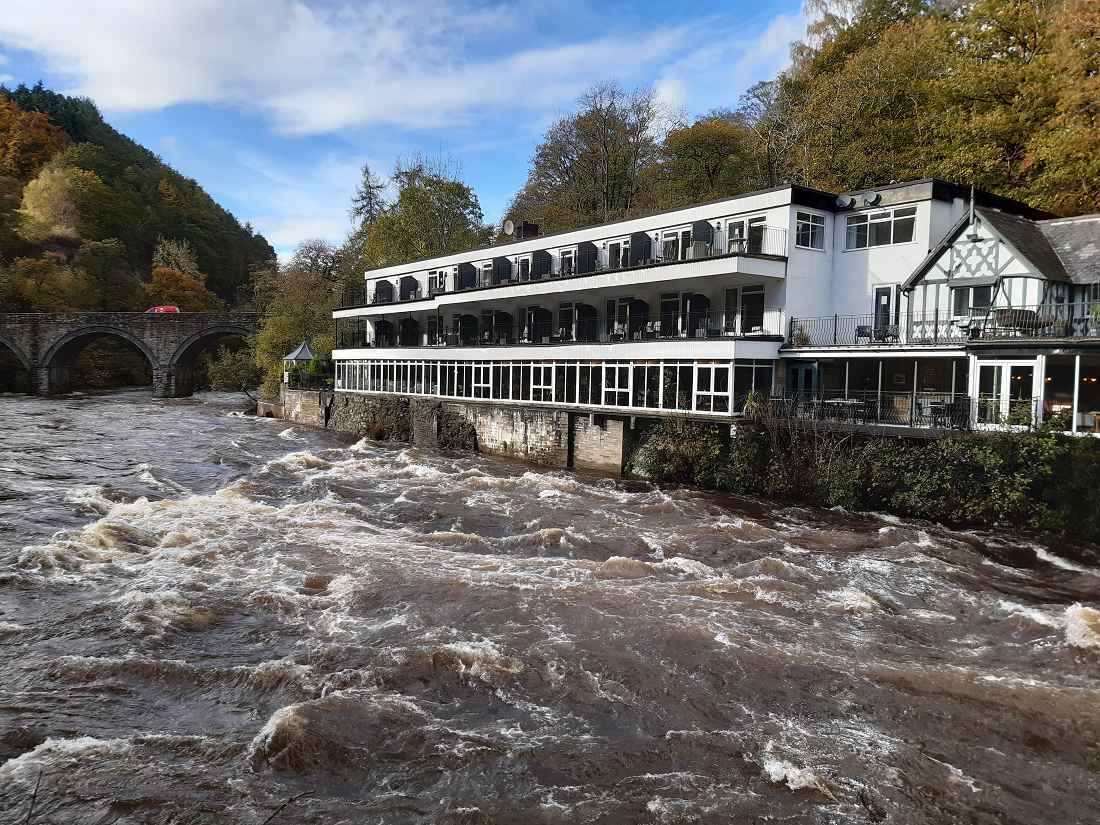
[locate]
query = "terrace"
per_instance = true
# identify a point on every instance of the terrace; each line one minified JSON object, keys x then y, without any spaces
{"x":638,"y":255}
{"x":1066,"y":321}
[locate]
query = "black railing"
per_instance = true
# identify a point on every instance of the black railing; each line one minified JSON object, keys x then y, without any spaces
{"x":354,"y":333}
{"x":925,"y":410}
{"x":921,"y":409}
{"x":871,"y":330}
{"x":766,"y":242}
{"x":308,"y":381}
{"x":1066,"y":321}
{"x":1079,"y":320}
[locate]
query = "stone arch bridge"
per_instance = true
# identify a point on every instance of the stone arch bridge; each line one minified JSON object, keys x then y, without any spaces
{"x":47,"y":344}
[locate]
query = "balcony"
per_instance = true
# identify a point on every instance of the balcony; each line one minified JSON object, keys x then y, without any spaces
{"x":991,"y":324}
{"x":766,"y":242}
{"x":500,"y":330}
{"x":871,"y":331}
{"x":1038,"y":322}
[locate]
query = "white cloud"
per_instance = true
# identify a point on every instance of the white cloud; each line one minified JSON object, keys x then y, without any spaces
{"x":720,"y":68}
{"x":318,"y":68}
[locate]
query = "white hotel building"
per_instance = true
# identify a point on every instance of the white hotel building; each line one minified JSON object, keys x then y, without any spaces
{"x":903,"y":306}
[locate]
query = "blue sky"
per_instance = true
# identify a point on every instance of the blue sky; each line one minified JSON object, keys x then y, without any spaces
{"x":273,"y":105}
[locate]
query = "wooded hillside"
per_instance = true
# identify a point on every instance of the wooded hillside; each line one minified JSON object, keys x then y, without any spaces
{"x":89,"y":219}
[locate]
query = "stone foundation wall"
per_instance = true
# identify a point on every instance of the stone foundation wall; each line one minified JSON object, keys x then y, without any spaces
{"x":303,"y":407}
{"x":531,"y":434}
{"x":599,"y":443}
{"x":550,"y":437}
{"x":384,"y":418}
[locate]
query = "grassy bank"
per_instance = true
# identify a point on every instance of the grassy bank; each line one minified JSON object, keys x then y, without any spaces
{"x":1039,"y":481}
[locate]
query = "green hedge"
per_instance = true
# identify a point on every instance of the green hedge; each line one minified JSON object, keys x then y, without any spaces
{"x":1039,"y":481}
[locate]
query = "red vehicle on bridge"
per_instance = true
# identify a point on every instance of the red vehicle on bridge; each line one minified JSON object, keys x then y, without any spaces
{"x":166,"y":308}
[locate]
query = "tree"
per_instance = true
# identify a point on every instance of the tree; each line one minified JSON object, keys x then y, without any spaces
{"x":27,"y":140}
{"x":45,"y":285}
{"x":369,"y":199}
{"x":115,"y":286}
{"x":434,"y":213}
{"x":177,"y":255}
{"x":709,"y":159}
{"x":234,"y":370}
{"x":772,"y":111}
{"x":879,"y":117}
{"x":175,"y":288}
{"x":299,"y":309}
{"x":1065,"y":155}
{"x":592,"y":165}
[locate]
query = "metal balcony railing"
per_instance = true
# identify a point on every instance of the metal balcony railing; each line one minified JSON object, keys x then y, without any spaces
{"x":1065,"y":321}
{"x":1077,"y":320}
{"x":763,"y":241}
{"x":928,"y":410}
{"x":872,"y":330}
{"x":354,"y":333}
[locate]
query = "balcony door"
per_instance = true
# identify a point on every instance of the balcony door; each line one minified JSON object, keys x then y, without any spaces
{"x":756,"y":235}
{"x":883,"y":304}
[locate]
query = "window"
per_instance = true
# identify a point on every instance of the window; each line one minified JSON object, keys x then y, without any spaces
{"x":881,"y":228}
{"x":810,"y":230}
{"x":482,"y":380}
{"x":712,"y":387}
{"x":616,"y":385}
{"x":566,"y":262}
{"x":525,"y":269}
{"x":486,"y":274}
{"x":971,"y":300}
{"x":542,"y":383}
{"x":750,"y":377}
{"x":685,"y":244}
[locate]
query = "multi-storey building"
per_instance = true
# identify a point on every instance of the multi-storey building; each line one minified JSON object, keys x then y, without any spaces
{"x":913,"y":304}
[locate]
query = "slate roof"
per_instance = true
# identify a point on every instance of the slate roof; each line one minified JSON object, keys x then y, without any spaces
{"x":1076,"y":242}
{"x":1028,"y":239}
{"x":302,"y":353}
{"x":1060,"y":249}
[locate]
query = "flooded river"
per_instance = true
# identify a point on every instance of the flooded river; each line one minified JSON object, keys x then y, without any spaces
{"x":204,"y":615}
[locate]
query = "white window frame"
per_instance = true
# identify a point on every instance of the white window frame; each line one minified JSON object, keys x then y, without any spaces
{"x":813,"y":220}
{"x":705,"y":399}
{"x":879,"y":217}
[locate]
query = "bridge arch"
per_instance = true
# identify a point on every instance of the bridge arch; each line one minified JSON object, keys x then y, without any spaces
{"x":55,"y":367}
{"x":181,"y":365}
{"x":20,"y":378}
{"x":22,"y":357}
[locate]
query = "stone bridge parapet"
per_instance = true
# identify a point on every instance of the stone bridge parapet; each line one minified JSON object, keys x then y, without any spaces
{"x":47,"y":344}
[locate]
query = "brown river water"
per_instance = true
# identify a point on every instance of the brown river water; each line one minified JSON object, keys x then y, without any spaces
{"x":204,"y":615}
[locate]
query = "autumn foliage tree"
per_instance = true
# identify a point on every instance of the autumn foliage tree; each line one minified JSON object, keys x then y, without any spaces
{"x":172,"y":287}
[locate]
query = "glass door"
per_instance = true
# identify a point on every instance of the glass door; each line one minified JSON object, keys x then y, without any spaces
{"x":1006,"y":394}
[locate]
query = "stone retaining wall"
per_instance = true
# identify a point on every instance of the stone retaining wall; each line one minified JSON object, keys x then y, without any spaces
{"x":550,"y":437}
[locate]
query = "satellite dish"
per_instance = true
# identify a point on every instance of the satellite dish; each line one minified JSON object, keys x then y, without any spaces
{"x":845,"y":201}
{"x":509,"y":227}
{"x":871,"y":198}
